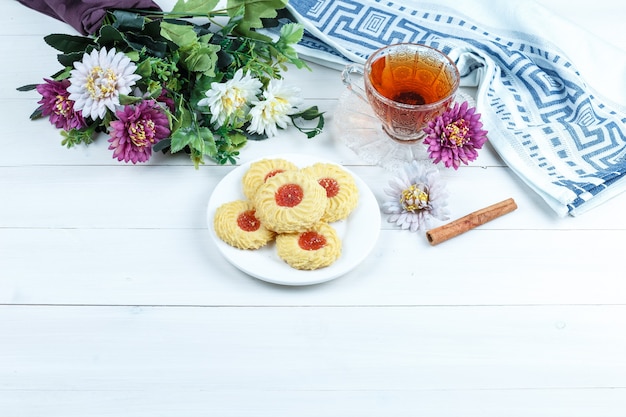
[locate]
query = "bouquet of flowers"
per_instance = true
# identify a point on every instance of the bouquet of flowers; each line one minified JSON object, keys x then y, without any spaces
{"x":163,"y":81}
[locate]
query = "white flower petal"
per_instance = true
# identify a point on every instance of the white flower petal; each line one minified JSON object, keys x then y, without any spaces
{"x":231,"y":100}
{"x":416,"y":173}
{"x":98,"y":80}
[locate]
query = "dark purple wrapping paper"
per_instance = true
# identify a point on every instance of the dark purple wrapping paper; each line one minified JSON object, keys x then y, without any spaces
{"x":84,"y":15}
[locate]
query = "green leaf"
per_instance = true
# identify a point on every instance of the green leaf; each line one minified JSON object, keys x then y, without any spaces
{"x":161,"y":145}
{"x":110,"y":36}
{"x":27,"y":87}
{"x":231,"y":24}
{"x":68,"y":43}
{"x":147,"y":44}
{"x":207,"y":137}
{"x":144,"y":69}
{"x":63,"y":74}
{"x":238,"y":140}
{"x":202,"y":59}
{"x":37,"y":114}
{"x":125,"y":100}
{"x":210,"y":148}
{"x":180,"y":139}
{"x":197,"y":53}
{"x":195,"y":7}
{"x":254,"y":11}
{"x":152,"y":29}
{"x":67,"y":60}
{"x":198,"y":139}
{"x":181,"y":35}
{"x":309,"y":114}
{"x":291,"y":33}
{"x":197,"y":142}
{"x":182,"y":116}
{"x":128,"y":21}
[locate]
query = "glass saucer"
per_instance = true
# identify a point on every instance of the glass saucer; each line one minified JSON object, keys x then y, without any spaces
{"x":356,"y":126}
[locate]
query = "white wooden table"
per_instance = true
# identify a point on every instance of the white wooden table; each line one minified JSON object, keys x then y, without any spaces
{"x":115,"y":302}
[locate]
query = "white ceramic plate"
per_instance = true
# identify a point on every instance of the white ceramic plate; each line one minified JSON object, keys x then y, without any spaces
{"x":359,"y":232}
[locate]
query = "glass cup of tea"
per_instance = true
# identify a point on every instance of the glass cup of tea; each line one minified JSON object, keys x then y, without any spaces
{"x":406,"y":85}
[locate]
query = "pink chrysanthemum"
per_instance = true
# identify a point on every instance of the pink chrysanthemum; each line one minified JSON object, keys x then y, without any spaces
{"x":136,"y":129}
{"x":56,"y":104}
{"x":455,"y":136}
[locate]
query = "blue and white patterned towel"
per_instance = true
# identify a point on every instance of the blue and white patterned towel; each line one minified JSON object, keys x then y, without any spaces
{"x":563,"y":138}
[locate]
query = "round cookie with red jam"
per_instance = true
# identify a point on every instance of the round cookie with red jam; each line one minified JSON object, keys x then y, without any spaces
{"x":290,"y":202}
{"x":314,"y":248}
{"x":259,"y":171}
{"x":236,"y":224}
{"x":341,"y":189}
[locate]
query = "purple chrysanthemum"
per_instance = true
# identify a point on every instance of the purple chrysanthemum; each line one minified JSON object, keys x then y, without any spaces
{"x":56,"y":104}
{"x":136,"y":129}
{"x":455,"y":136}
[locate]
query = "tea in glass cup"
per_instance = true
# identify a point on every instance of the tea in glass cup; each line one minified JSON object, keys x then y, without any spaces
{"x":407,"y":85}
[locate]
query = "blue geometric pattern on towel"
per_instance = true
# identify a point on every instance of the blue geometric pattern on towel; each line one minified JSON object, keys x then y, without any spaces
{"x":562,"y":141}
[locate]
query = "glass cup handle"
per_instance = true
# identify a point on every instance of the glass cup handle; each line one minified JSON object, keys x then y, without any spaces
{"x":348,"y":81}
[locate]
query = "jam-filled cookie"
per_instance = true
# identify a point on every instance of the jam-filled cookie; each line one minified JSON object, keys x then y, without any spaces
{"x":341,"y":189}
{"x":236,"y":224}
{"x":290,"y":202}
{"x":259,"y":171}
{"x":314,"y":248}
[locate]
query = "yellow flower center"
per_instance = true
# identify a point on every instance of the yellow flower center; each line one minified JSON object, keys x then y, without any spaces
{"x":234,"y":101}
{"x":101,"y":83}
{"x":456,"y":132}
{"x":415,"y":198}
{"x":277,"y":106}
{"x":137,"y":133}
{"x":61,"y":106}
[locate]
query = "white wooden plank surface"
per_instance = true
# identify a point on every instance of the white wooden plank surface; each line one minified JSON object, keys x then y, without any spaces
{"x":91,"y":196}
{"x":363,"y":361}
{"x":115,"y":302}
{"x":181,"y":267}
{"x":323,"y":403}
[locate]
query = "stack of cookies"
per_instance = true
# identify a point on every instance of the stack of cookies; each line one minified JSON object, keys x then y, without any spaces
{"x":295,"y":207}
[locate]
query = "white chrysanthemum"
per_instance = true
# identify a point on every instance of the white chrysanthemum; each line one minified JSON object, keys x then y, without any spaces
{"x":230,"y":100}
{"x":417,"y":195}
{"x":98,"y":80}
{"x":279,"y":102}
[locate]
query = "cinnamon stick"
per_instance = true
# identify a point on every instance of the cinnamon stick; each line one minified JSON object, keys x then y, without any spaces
{"x":470,"y":221}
